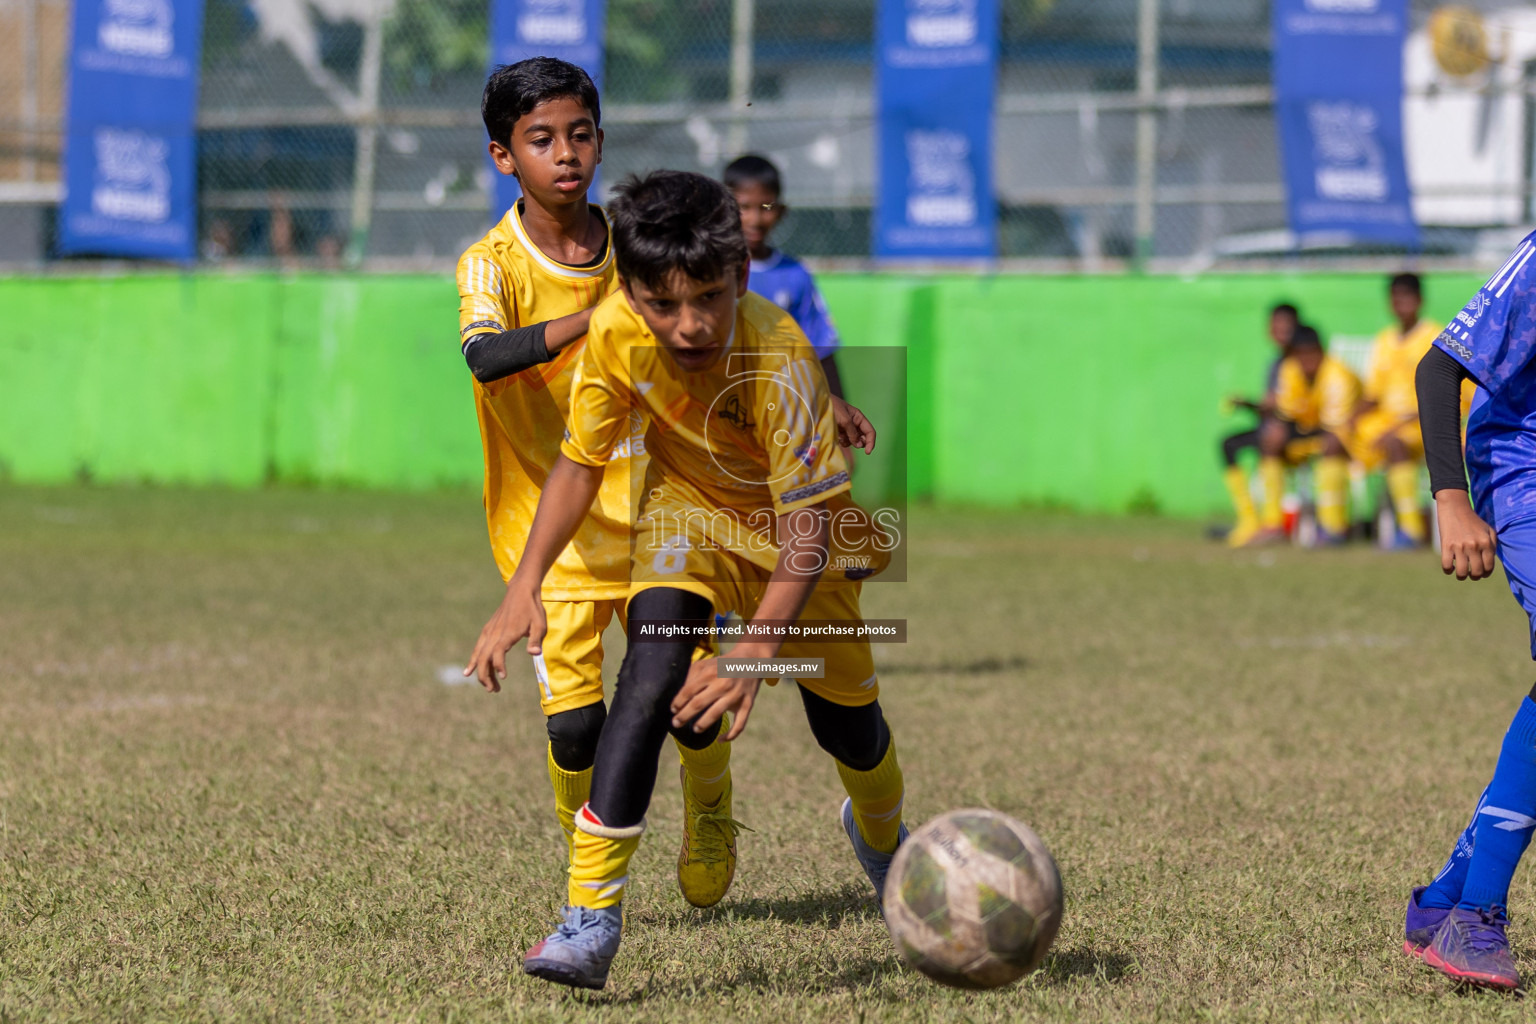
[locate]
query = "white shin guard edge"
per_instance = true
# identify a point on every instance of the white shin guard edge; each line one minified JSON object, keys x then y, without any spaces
{"x":592,"y":828}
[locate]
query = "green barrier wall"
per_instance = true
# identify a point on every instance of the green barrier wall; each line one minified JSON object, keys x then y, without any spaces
{"x":1095,"y":393}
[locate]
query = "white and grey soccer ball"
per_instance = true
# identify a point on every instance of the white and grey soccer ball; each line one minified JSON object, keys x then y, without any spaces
{"x":973,"y":899}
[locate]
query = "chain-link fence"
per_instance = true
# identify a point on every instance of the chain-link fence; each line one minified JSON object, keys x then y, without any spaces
{"x":340,"y":130}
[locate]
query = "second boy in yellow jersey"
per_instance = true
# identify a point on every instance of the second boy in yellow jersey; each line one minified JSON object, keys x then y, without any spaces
{"x":526,"y":293}
{"x":1385,"y":427}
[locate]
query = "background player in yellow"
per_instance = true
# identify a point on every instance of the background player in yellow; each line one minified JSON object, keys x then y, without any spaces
{"x":1385,"y":427}
{"x":741,"y":438}
{"x":526,"y":293}
{"x":1315,"y":398}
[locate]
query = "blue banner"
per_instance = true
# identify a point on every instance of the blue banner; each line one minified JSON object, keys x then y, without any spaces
{"x":130,"y":162}
{"x":1338,"y":70}
{"x":935,"y":77}
{"x":571,"y":30}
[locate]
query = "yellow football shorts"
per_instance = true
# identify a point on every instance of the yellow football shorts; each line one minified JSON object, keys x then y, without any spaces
{"x":570,"y":670}
{"x":1371,"y":428}
{"x":732,"y":583}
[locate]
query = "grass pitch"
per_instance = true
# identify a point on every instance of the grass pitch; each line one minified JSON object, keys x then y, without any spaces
{"x":233,"y":785}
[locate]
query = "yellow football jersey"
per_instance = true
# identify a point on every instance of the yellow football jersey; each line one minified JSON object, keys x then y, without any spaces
{"x":1327,"y":402}
{"x":1394,"y":362}
{"x":748,"y":439}
{"x":505,"y":281}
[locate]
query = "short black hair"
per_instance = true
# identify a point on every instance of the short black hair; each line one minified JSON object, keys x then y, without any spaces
{"x":1286,"y":309}
{"x":675,"y":220}
{"x":1409,"y":283}
{"x":753,"y":170}
{"x":515,"y":89}
{"x":1306,"y":338}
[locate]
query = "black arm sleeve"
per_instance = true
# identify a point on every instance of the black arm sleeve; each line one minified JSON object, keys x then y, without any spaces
{"x":1439,"y":385}
{"x":494,"y":356}
{"x":834,"y":379}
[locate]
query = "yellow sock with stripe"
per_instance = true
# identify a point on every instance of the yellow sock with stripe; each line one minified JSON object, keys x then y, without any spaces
{"x":1272,"y":474}
{"x":1332,"y":479}
{"x":600,"y":861}
{"x":708,"y":770}
{"x":1241,"y":498}
{"x":571,"y":791}
{"x":1403,"y":486}
{"x":876,"y":796}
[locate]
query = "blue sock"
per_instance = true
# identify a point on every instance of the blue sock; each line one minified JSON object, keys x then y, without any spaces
{"x":1445,"y":890}
{"x":1504,"y":822}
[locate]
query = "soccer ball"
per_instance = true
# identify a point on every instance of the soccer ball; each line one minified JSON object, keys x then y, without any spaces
{"x":973,"y":899}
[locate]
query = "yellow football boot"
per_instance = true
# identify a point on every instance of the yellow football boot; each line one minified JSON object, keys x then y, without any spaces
{"x":706,"y":864}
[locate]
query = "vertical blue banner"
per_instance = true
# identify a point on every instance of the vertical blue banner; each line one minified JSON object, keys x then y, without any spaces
{"x":130,"y":168}
{"x":1338,"y":69}
{"x":935,"y":78}
{"x":571,"y":30}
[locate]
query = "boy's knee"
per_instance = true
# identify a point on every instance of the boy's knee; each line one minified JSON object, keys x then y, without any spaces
{"x":573,"y":736}
{"x":856,"y":736}
{"x":1272,"y":440}
{"x":1333,"y":448}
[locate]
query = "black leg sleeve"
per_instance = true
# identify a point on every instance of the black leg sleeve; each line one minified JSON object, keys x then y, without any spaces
{"x":573,"y":736}
{"x":858,"y":737}
{"x":1232,"y":445}
{"x":641,"y":716}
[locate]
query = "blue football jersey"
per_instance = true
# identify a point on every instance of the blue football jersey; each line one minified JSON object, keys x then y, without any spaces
{"x":784,"y":281}
{"x":1494,"y":337}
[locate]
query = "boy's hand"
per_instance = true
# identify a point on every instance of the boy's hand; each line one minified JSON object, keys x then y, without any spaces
{"x":853,"y":429}
{"x":520,"y":614}
{"x":707,"y":695}
{"x":1467,"y":544}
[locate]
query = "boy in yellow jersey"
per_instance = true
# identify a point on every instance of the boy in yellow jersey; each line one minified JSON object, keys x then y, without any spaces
{"x":742,"y":496}
{"x":526,"y":293}
{"x":1315,"y":396}
{"x":1385,"y":426}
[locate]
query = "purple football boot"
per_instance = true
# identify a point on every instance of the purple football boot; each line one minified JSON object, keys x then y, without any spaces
{"x":1421,"y":924}
{"x":1471,"y":947}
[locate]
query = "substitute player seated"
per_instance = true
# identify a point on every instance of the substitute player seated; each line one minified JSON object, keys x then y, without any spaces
{"x":1315,"y":398}
{"x":1385,"y":426}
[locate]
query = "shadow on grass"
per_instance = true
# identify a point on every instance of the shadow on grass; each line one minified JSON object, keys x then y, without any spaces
{"x":979,"y":667}
{"x":1065,"y":965}
{"x":827,"y":907}
{"x":860,"y":973}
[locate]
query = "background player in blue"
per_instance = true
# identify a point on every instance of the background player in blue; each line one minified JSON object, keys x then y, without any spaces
{"x":1457,"y":923}
{"x":777,"y":276}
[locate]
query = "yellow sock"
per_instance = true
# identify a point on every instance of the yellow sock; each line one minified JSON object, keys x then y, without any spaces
{"x":1403,"y":486}
{"x":600,"y":861}
{"x":877,"y":796}
{"x":571,"y":791}
{"x":1242,"y":499}
{"x":1272,"y":473}
{"x":708,"y":770}
{"x":1332,"y":479}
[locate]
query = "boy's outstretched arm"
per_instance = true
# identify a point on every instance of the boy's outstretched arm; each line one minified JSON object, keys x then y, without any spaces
{"x":802,"y":557}
{"x":492,"y":356}
{"x":567,"y":496}
{"x":1467,"y":544}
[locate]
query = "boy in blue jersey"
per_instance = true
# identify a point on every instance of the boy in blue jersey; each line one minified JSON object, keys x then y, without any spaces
{"x":1457,"y":923}
{"x":777,"y":276}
